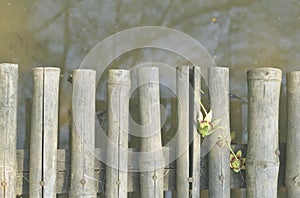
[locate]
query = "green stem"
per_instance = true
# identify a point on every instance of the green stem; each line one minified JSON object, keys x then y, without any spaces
{"x":202,"y":106}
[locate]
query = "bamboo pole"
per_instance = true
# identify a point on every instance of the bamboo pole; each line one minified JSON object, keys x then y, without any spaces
{"x":63,"y":174}
{"x":292,"y":171}
{"x":118,"y":88}
{"x":219,"y":169}
{"x":196,"y":93}
{"x":182,"y":162}
{"x":36,"y":138}
{"x":83,"y":137}
{"x":8,"y":128}
{"x":262,"y":163}
{"x":151,"y":160}
{"x":44,"y":126}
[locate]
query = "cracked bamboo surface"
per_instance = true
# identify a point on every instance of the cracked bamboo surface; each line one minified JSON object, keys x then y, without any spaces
{"x":44,"y":132}
{"x":262,"y":165}
{"x":8,"y":128}
{"x":292,"y":171}
{"x":219,"y":170}
{"x":151,"y":161}
{"x":118,"y":88}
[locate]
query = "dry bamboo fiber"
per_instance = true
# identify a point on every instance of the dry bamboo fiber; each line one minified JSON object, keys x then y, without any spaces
{"x":219,"y":169}
{"x":83,"y":134}
{"x":182,"y":162}
{"x":44,"y":126}
{"x":151,"y":160}
{"x":262,"y":163}
{"x":118,"y":88}
{"x":292,"y":171}
{"x":196,"y":93}
{"x":8,"y":128}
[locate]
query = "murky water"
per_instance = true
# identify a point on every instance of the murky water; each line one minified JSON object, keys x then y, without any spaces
{"x":238,"y":34}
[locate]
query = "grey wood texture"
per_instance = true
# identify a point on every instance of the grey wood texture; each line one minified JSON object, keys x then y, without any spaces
{"x":196,"y":163}
{"x":262,"y":165}
{"x":8,"y":128}
{"x":292,"y":171}
{"x":44,"y":129}
{"x":219,"y":169}
{"x":151,"y":161}
{"x":118,"y":88}
{"x":183,"y":119}
{"x":83,"y":134}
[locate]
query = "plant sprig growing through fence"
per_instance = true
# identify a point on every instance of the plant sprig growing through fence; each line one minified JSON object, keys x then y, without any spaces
{"x":206,"y":127}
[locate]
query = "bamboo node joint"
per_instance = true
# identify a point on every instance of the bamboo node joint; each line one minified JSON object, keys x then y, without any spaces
{"x":83,"y":182}
{"x":42,"y":183}
{"x":221,"y":143}
{"x":277,"y":152}
{"x":190,"y":179}
{"x":263,"y":165}
{"x":297,"y":180}
{"x":3,"y":184}
{"x":221,"y":177}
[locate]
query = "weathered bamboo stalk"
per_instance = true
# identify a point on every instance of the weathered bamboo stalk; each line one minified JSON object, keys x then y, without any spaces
{"x":36,"y":139}
{"x":262,"y":163}
{"x":83,"y":134}
{"x":63,"y":171}
{"x":8,"y":128}
{"x":44,"y":126}
{"x":196,"y":93}
{"x":292,"y":171}
{"x":151,"y":160}
{"x":118,"y":88}
{"x":219,"y":170}
{"x":182,"y":162}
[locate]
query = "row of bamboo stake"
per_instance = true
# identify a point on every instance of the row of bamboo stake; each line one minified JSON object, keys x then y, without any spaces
{"x":262,"y":151}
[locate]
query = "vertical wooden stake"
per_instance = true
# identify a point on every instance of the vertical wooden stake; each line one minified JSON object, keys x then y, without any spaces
{"x":44,"y":126}
{"x":262,"y":163}
{"x":219,"y":169}
{"x":196,"y":93}
{"x":8,"y":128}
{"x":151,"y":160}
{"x":292,"y":173}
{"x":83,"y":134}
{"x":182,"y":162}
{"x":118,"y":88}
